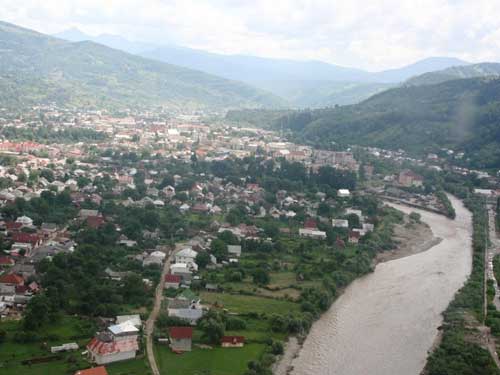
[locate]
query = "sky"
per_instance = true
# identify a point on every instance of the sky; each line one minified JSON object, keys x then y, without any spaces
{"x":369,"y":34}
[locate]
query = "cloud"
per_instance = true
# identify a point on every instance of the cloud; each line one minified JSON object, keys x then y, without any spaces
{"x":368,"y":34}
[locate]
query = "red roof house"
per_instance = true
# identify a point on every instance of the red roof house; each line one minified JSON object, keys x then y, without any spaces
{"x":101,"y":370}
{"x":180,"y":339}
{"x":95,"y":221}
{"x":11,"y":279}
{"x":6,"y":262}
{"x":33,"y":239}
{"x":172,"y":281}
{"x":310,"y":224}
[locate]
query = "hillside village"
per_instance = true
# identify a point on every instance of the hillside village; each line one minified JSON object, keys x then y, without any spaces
{"x":237,"y":226}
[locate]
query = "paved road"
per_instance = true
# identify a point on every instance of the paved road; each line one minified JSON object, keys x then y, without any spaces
{"x":150,"y":323}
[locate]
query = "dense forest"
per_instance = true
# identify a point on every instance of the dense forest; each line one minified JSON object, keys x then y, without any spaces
{"x":462,"y":115}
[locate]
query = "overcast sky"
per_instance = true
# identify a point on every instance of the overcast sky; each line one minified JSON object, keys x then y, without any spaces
{"x":369,"y":34}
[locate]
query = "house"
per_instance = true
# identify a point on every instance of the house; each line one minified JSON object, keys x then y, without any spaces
{"x":186,"y":255}
{"x":233,"y":341}
{"x":135,"y":319}
{"x":409,"y":178}
{"x":234,"y":250}
{"x":172,"y":281}
{"x":310,"y":223}
{"x":6,"y":262}
{"x":354,"y":236}
{"x":156,"y":257}
{"x":311,"y":233}
{"x":100,"y":370}
{"x":340,"y":223}
{"x":343,"y":193}
{"x":25,"y":221}
{"x":117,"y":343}
{"x":94,"y":221}
{"x":180,"y":338}
{"x":183,"y":270}
{"x":64,"y":347}
{"x":187,"y":309}
{"x":211,"y":287}
{"x":11,"y":279}
{"x":48,"y":229}
{"x":84,"y":213}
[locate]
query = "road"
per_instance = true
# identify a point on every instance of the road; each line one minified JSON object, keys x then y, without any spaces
{"x":150,"y":323}
{"x":492,"y":250}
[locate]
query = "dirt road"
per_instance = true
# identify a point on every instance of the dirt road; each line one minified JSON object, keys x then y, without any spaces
{"x":150,"y":323}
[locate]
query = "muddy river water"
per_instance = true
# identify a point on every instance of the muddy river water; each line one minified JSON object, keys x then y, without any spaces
{"x":385,"y":322}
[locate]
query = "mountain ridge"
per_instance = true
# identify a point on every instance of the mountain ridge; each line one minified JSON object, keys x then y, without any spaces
{"x":39,"y":69}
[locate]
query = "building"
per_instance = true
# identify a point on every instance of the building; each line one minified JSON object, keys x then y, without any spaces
{"x":311,"y":233}
{"x":409,"y":178}
{"x":354,"y":236}
{"x":343,"y":193}
{"x":234,"y":250}
{"x":183,"y":270}
{"x":188,"y":310}
{"x":187,"y":256}
{"x":340,"y":223}
{"x":172,"y":281}
{"x":101,"y":370}
{"x":181,"y":338}
{"x":233,"y":341}
{"x":117,"y":343}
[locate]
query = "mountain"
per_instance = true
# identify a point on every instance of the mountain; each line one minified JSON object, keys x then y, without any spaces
{"x":463,"y":115}
{"x":36,"y":68}
{"x":302,"y":83}
{"x":456,"y":72}
{"x":430,"y":64}
{"x":109,"y":40}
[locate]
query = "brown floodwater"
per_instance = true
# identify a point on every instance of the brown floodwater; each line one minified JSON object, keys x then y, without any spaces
{"x":385,"y":322}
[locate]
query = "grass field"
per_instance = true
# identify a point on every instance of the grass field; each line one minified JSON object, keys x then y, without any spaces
{"x":246,"y":304}
{"x":217,"y":361}
{"x":137,"y":366}
{"x":64,"y":330}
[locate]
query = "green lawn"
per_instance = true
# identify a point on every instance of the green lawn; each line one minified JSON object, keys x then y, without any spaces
{"x":132,"y":367}
{"x":217,"y":361}
{"x":63,"y":331}
{"x":246,"y":304}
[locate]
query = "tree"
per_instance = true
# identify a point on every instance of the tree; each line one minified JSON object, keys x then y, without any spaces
{"x":37,"y":312}
{"x":219,"y":249}
{"x":261,"y":276}
{"x":212,"y":326}
{"x":203,"y":259}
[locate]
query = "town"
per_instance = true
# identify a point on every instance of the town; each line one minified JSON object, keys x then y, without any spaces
{"x":157,"y":242}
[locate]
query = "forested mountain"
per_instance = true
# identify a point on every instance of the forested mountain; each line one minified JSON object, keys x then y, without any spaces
{"x":302,"y":83}
{"x":456,"y":72}
{"x":463,"y":115}
{"x":35,"y":68}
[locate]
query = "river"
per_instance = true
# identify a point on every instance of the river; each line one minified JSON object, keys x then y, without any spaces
{"x":385,"y":322}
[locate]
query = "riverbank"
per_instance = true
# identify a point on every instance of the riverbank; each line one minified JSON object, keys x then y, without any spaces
{"x":412,"y":238}
{"x":398,"y":307}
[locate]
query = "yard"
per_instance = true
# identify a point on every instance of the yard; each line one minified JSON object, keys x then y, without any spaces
{"x":67,"y":329}
{"x":217,"y":361}
{"x":243,"y":304}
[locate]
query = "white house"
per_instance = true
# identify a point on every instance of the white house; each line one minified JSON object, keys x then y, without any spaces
{"x":343,"y":193}
{"x":311,"y":233}
{"x":340,"y":223}
{"x":186,"y":255}
{"x":25,"y":221}
{"x":234,"y":250}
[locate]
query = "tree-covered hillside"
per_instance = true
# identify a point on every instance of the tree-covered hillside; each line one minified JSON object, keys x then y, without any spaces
{"x":456,"y":72}
{"x":37,"y":69}
{"x":463,"y":115}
